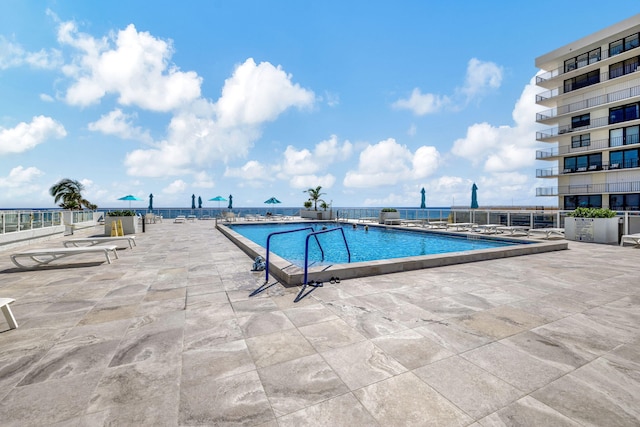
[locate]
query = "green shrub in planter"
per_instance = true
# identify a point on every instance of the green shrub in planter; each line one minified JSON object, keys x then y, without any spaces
{"x":389,"y":210}
{"x":121,"y":213}
{"x":592,"y":213}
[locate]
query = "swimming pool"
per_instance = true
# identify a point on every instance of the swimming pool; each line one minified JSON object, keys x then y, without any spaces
{"x":290,"y":274}
{"x":364,"y":243}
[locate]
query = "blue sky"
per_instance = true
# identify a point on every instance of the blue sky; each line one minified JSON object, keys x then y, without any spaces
{"x":372,"y":100}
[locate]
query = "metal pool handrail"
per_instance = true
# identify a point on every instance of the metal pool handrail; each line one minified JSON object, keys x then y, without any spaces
{"x":266,"y":276}
{"x":306,"y":248}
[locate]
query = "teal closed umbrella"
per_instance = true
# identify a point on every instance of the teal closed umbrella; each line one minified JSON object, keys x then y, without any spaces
{"x":230,"y":202}
{"x":423,"y":204}
{"x":151,"y":201}
{"x":193,"y":201}
{"x":474,"y":196}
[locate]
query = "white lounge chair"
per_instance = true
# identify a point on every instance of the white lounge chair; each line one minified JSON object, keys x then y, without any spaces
{"x":462,"y":226}
{"x":180,"y":219}
{"x":548,"y":232}
{"x":631,"y":238}
{"x":92,"y":241}
{"x":514,"y":230}
{"x":4,"y":306}
{"x":45,"y":256}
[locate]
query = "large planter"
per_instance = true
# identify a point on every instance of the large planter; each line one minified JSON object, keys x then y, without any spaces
{"x":129,"y":224}
{"x":593,"y":230}
{"x":384,"y":216}
{"x":317,"y":215}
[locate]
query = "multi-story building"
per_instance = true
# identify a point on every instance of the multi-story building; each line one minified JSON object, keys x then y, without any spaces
{"x":593,"y":99}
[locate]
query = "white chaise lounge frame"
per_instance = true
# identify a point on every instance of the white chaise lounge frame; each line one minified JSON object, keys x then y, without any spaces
{"x":548,"y":232}
{"x":631,"y":238}
{"x":45,"y":256}
{"x":8,"y":315}
{"x":92,"y":241}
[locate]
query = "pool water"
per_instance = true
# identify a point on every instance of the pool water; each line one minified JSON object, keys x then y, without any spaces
{"x":376,"y":243}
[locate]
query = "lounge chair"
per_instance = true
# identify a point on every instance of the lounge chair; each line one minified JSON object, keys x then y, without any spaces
{"x":514,"y":230}
{"x":45,"y":256}
{"x":548,"y":232}
{"x":631,"y":238}
{"x":4,"y":306}
{"x":462,"y":226}
{"x":180,"y":219}
{"x":92,"y":241}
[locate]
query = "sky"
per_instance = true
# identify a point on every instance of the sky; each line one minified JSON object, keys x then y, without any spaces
{"x":372,"y":100}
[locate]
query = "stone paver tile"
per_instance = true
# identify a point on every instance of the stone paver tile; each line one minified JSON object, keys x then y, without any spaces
{"x":500,"y":322}
{"x":199,"y":337}
{"x":49,"y":401}
{"x":469,"y":387}
{"x":278,"y":347}
{"x":514,"y":366}
{"x":453,"y":336}
{"x":331,"y":334}
{"x":309,"y":314}
{"x":223,"y":360}
{"x":527,"y":412}
{"x":362,"y":363}
{"x":161,"y":412}
{"x":411,"y":349}
{"x":299,"y":383}
{"x":234,"y":400}
{"x":343,"y":410}
{"x":600,"y":393}
{"x":264,"y":323}
{"x":405,"y":400}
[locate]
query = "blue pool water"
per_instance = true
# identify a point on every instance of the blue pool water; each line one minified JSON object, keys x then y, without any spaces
{"x":375,"y":244}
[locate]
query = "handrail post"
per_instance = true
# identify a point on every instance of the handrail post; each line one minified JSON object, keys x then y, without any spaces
{"x":266,"y":270}
{"x":306,"y":248}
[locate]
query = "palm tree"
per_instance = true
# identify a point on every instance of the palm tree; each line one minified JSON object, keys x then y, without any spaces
{"x":314,"y":196}
{"x":69,"y":191}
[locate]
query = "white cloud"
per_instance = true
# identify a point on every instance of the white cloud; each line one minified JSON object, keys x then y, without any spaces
{"x":504,"y":148}
{"x":20,"y":177}
{"x":121,"y":125}
{"x":421,"y":104}
{"x":46,"y":97}
{"x":203,"y":180}
{"x":26,"y":136}
{"x":480,"y":77}
{"x":13,"y":55}
{"x":250,"y":171}
{"x":177,"y":186}
{"x":133,"y":65}
{"x":255,"y":94}
{"x":389,"y":163}
{"x":304,"y":182}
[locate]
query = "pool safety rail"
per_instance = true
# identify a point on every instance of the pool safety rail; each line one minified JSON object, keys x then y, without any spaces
{"x":313,"y":234}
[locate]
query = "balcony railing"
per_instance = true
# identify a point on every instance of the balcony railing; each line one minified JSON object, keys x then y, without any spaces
{"x":560,"y":130}
{"x":596,"y":167}
{"x":589,"y":103}
{"x":614,"y":187}
{"x":601,"y":144}
{"x":606,"y":54}
{"x":570,"y":87}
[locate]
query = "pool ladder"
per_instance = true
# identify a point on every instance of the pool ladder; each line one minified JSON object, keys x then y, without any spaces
{"x":305,"y":282}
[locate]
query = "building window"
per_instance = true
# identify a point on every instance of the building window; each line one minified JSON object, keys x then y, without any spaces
{"x":623,"y":45}
{"x":581,"y":140}
{"x":580,"y":121}
{"x":581,"y":81}
{"x":582,"y":60}
{"x":623,"y":67}
{"x":624,"y":113}
{"x":624,"y":202}
{"x":583,"y":201}
{"x":624,"y":159}
{"x":588,"y":162}
{"x":624,"y":136}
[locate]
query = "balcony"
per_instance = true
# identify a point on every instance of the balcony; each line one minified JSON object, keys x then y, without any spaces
{"x":602,"y":166}
{"x":560,"y":130}
{"x":563,"y":150}
{"x":616,"y":96}
{"x":568,"y":88}
{"x":560,"y":71}
{"x":614,"y":187}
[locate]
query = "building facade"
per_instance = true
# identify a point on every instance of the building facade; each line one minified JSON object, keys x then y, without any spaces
{"x":592,"y":92}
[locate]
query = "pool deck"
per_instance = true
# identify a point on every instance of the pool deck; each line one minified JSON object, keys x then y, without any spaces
{"x":167,"y":336}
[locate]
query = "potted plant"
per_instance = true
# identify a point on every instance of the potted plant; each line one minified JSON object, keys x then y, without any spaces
{"x":388,"y":214}
{"x":596,"y":225}
{"x":314,"y":199}
{"x":129,"y":221}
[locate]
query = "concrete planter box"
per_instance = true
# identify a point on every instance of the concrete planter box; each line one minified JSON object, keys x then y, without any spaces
{"x":129,"y":224}
{"x":317,"y":215}
{"x":388,"y":215}
{"x":593,"y":230}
